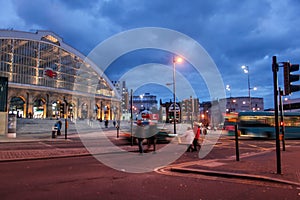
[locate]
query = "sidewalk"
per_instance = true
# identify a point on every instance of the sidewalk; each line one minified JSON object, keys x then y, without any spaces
{"x":32,"y":146}
{"x":256,"y":166}
{"x":259,"y":166}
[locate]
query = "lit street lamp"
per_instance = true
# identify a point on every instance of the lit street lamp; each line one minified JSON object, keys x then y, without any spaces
{"x":175,"y":60}
{"x":228,"y":89}
{"x":246,"y":71}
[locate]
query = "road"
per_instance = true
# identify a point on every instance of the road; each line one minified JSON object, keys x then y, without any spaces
{"x":86,"y":178}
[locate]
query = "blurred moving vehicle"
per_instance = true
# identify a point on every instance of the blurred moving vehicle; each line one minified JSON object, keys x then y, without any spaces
{"x":262,"y":125}
{"x":146,"y":124}
{"x":230,"y":122}
{"x":162,"y":136}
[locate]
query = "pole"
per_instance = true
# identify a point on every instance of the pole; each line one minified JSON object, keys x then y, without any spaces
{"x":275,"y":82}
{"x":131,"y":117}
{"x":174,"y":95}
{"x":249,"y":90}
{"x":66,"y":120}
{"x":66,"y":128}
{"x":117,"y":131}
{"x":237,"y":152}
{"x":192,"y":112}
{"x":281,"y":119}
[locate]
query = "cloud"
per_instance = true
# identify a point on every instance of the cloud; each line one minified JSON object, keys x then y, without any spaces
{"x":232,"y":32}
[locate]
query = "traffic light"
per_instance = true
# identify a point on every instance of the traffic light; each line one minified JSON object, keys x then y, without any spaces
{"x":289,"y":78}
{"x":62,"y":108}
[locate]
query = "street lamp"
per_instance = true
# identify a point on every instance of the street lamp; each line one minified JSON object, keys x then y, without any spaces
{"x":246,"y":71}
{"x":175,"y":60}
{"x":141,"y":98}
{"x":228,"y":89}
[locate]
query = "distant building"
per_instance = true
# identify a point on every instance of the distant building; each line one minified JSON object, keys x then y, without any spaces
{"x":144,"y":102}
{"x":240,"y":104}
{"x":233,"y":104}
{"x":167,"y":111}
{"x":292,"y":105}
{"x":187,"y":110}
{"x":190,"y":109}
{"x":121,"y":88}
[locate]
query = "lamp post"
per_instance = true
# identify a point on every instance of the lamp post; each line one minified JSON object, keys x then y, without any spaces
{"x":246,"y":71}
{"x":141,"y":98}
{"x":228,"y":89}
{"x":175,"y":60}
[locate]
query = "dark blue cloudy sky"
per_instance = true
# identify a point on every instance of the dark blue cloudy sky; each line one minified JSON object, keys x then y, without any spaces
{"x":233,"y":33}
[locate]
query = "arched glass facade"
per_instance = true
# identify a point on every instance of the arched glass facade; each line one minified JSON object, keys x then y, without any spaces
{"x":44,"y":71}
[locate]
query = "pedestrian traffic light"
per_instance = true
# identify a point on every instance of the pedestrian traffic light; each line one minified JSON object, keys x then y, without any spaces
{"x":289,"y":78}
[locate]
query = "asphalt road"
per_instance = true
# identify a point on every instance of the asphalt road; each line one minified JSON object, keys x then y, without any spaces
{"x":87,"y":178}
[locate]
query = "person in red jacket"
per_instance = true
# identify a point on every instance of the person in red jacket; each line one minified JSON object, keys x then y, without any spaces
{"x":196,"y":139}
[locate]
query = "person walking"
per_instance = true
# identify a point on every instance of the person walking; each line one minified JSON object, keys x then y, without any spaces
{"x":189,"y":137}
{"x":58,"y":125}
{"x":196,"y":139}
{"x":140,"y":135}
{"x":152,"y":139}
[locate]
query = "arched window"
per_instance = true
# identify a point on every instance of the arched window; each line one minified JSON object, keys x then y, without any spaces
{"x":39,"y":109}
{"x":17,"y":106}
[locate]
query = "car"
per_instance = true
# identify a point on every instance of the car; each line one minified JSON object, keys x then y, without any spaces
{"x":162,"y":136}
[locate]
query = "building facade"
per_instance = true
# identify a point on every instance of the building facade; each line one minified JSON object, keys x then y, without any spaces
{"x":190,"y":109}
{"x":50,"y":79}
{"x":291,"y":105}
{"x":241,"y":104}
{"x":143,"y":102}
{"x":121,"y":88}
{"x":232,"y":104}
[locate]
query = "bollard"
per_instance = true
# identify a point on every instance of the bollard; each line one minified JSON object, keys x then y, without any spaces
{"x":237,"y":143}
{"x":118,"y":128}
{"x":66,"y":128}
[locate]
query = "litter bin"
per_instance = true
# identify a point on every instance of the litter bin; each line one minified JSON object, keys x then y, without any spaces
{"x":54,"y":131}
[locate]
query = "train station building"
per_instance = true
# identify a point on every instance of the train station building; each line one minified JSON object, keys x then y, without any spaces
{"x":47,"y":78}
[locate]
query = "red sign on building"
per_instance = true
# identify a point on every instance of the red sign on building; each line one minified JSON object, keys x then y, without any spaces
{"x":50,"y":73}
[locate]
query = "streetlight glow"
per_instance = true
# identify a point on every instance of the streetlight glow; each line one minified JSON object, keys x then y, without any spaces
{"x":177,"y":60}
{"x":228,"y":87}
{"x":245,"y":68}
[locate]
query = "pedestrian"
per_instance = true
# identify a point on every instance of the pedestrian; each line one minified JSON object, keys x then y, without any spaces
{"x":196,"y":139}
{"x":58,"y":125}
{"x":152,"y":138}
{"x":189,"y":136}
{"x":205,"y":130}
{"x":106,"y":123}
{"x":140,"y":135}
